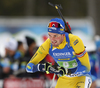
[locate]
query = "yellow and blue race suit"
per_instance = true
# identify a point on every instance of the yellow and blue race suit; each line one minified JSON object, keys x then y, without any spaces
{"x":71,"y":55}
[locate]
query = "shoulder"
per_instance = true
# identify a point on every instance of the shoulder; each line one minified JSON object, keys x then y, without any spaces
{"x":76,"y":43}
{"x":73,"y":37}
{"x":48,"y":40}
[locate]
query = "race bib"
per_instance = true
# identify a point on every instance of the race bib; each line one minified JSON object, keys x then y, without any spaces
{"x":68,"y":64}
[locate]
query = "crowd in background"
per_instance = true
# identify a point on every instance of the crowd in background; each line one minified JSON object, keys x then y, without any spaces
{"x":94,"y":57}
{"x":13,"y":64}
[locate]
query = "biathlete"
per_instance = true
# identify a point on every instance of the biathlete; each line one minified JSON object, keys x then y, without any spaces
{"x":69,"y":53}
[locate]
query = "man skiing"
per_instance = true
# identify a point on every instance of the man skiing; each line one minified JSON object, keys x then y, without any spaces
{"x":69,"y":53}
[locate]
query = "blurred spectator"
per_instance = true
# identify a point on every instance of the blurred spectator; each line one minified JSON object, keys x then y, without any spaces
{"x":32,"y":47}
{"x":10,"y":47}
{"x":19,"y":55}
{"x":93,"y":62}
{"x":8,"y":63}
{"x":10,"y":50}
{"x":20,"y":51}
{"x":98,"y":54}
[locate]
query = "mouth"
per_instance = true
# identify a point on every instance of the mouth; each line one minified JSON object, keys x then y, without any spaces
{"x":54,"y":42}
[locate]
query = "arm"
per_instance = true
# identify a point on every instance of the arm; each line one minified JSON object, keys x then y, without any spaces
{"x":80,"y":52}
{"x":33,"y":65}
{"x":40,"y":54}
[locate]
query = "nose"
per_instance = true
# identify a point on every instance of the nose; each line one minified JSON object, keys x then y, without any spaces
{"x":52,"y":38}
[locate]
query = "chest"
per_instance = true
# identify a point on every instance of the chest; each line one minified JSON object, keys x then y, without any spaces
{"x":66,"y":53}
{"x":65,"y":57}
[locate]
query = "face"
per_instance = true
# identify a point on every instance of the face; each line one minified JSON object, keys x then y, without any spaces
{"x":9,"y":52}
{"x":55,"y":38}
{"x":21,"y":48}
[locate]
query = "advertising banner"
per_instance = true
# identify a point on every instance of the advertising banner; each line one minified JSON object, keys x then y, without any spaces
{"x":23,"y":83}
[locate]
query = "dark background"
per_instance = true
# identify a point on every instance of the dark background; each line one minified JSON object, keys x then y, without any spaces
{"x":71,"y":9}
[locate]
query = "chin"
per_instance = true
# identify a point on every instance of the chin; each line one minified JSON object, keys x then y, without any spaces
{"x":55,"y":45}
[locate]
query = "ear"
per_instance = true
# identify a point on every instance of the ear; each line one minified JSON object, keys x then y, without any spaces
{"x":63,"y":34}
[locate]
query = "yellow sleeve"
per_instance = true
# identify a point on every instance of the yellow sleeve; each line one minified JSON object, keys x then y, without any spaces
{"x":78,"y":47}
{"x":40,"y":54}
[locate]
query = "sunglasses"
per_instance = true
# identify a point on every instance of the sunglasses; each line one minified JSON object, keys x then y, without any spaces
{"x":55,"y":24}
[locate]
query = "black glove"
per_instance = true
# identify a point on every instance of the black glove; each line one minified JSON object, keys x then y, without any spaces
{"x":47,"y":67}
{"x":62,"y":71}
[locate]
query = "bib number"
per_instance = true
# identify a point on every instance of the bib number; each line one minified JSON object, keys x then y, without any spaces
{"x":68,"y":64}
